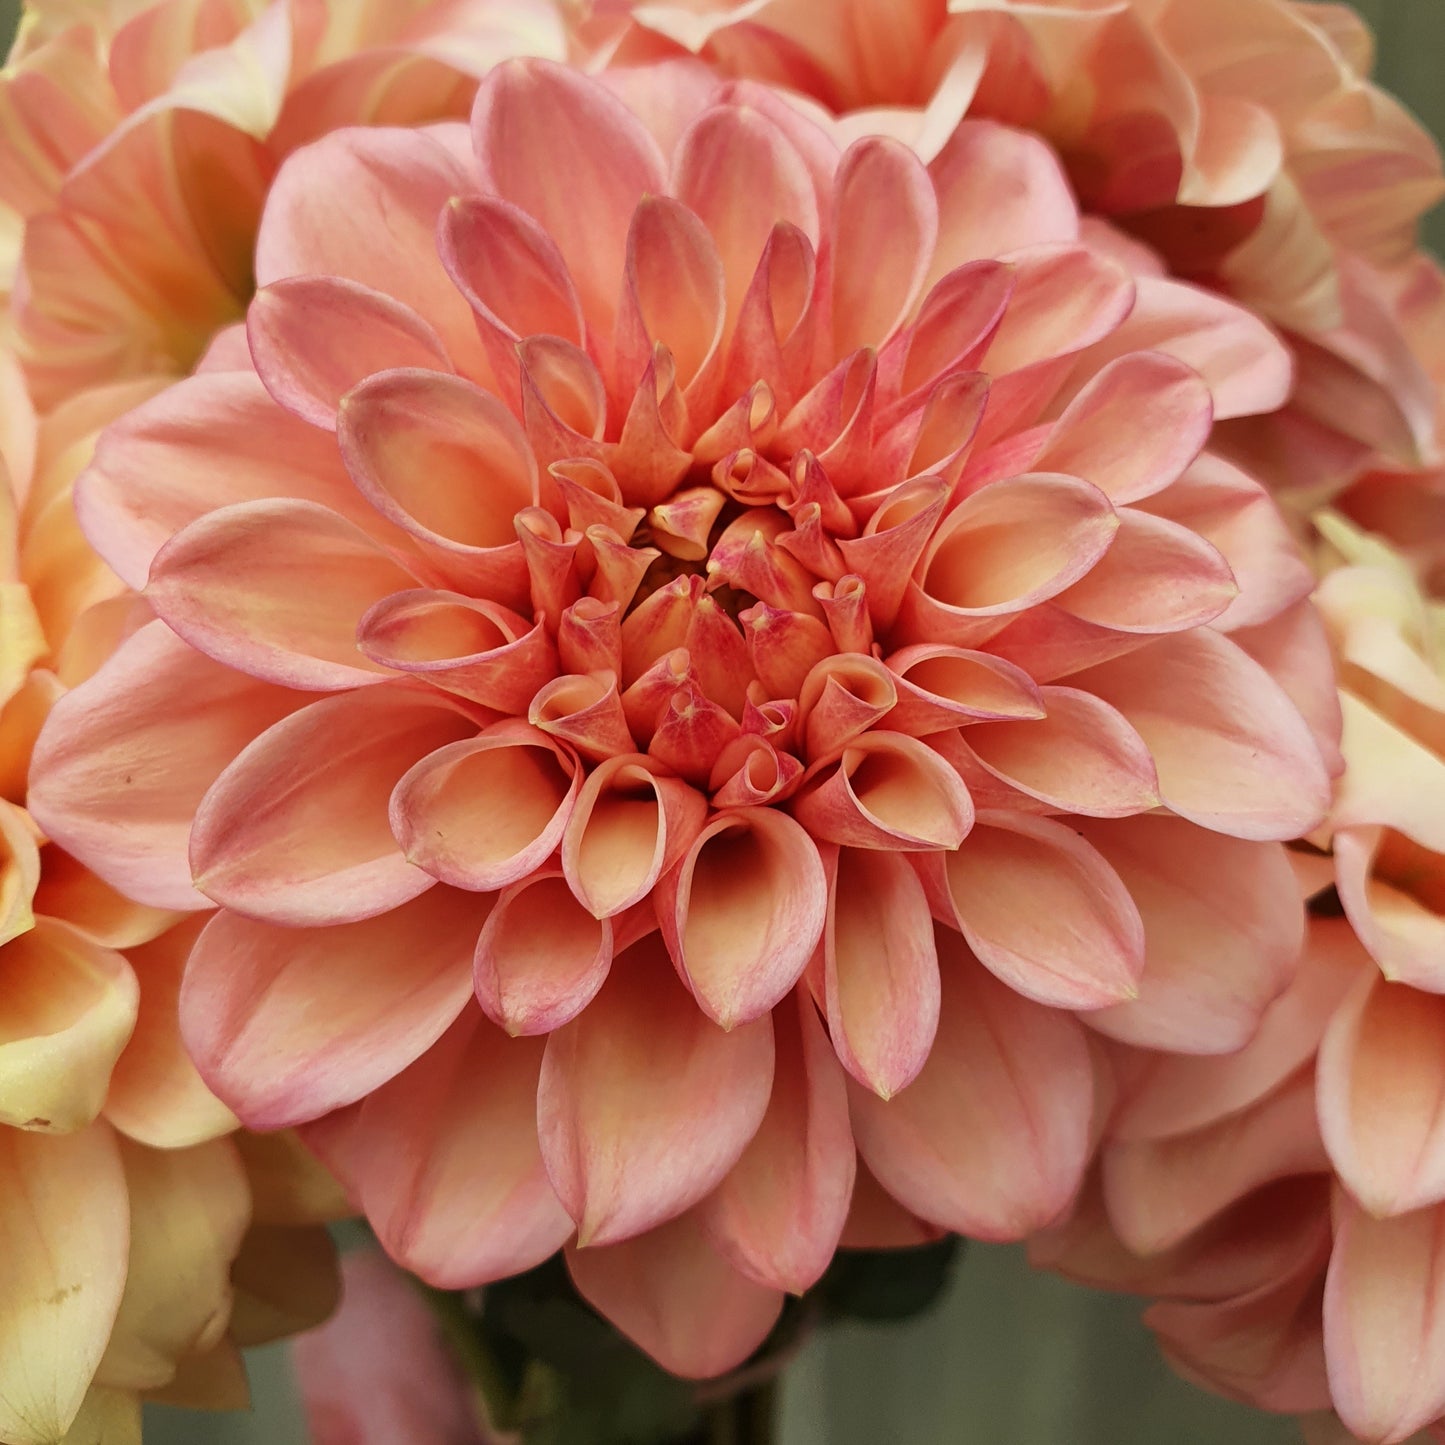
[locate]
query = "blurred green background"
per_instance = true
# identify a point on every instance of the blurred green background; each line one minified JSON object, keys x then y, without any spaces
{"x":1009,"y":1358}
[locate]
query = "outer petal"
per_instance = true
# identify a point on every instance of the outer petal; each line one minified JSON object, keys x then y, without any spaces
{"x":650,"y":1288}
{"x":64,"y":1232}
{"x":644,"y":1104}
{"x":286,"y":1024}
{"x":448,"y":1167}
{"x":992,"y":1137}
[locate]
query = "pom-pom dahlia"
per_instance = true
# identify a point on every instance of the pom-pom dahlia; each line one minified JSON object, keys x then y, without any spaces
{"x":690,"y":647}
{"x":1287,"y":1203}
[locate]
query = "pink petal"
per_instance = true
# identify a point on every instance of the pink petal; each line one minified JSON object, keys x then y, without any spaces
{"x":1045,"y":912}
{"x":125,"y":760}
{"x":482,"y":814}
{"x":447,"y":1164}
{"x":992,"y":1137}
{"x":644,"y":1104}
{"x":575,"y":159}
{"x":876,"y":1220}
{"x":286,"y":1024}
{"x":779,"y":1213}
{"x":541,"y":957}
{"x":1223,"y":929}
{"x":296,"y":830}
{"x":880,"y":968}
{"x":1384,"y":1328}
{"x":1381,"y":1087}
{"x":650,"y":1287}
{"x":228,"y":584}
{"x":313,"y":338}
{"x":743,"y":912}
{"x":1233,"y":752}
{"x":941,"y":687}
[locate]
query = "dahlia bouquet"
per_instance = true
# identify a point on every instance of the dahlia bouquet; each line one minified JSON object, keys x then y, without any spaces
{"x":681,"y":652}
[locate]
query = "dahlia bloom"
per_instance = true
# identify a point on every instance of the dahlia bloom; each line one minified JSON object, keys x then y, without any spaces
{"x":1289,"y":1202}
{"x":1241,"y":139}
{"x":693,"y":650}
{"x":140,"y":140}
{"x":138,"y":1245}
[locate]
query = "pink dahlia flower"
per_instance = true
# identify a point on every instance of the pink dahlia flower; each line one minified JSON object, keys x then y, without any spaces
{"x":1288,"y":1202}
{"x":692,"y":650}
{"x":1241,"y":139}
{"x":141,"y":139}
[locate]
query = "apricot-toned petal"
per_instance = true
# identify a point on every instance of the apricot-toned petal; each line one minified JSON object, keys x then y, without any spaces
{"x":1044,"y":911}
{"x":482,"y":814}
{"x":1402,"y":933}
{"x":296,"y":830}
{"x":313,"y":338}
{"x":69,"y":890}
{"x":886,"y":220}
{"x":567,"y":152}
{"x":1393,"y":779}
{"x":380,"y":1369}
{"x":992,"y":1137}
{"x":630,"y":825}
{"x":286,"y":1024}
{"x":189,"y":1209}
{"x":644,"y":1103}
{"x":227,"y":584}
{"x":362,"y":204}
{"x":939,"y":687}
{"x":1384,"y":1327}
{"x":286,"y":1281}
{"x":67,"y":1011}
{"x":1223,"y":928}
{"x":1159,"y":1191}
{"x":289,"y":1185}
{"x":780,"y":1211}
{"x":743,"y":912}
{"x":1133,"y":429}
{"x":876,"y":1220}
{"x":126,"y":758}
{"x":64,"y":1233}
{"x":880,"y":968}
{"x":649,"y":1287}
{"x":541,"y":956}
{"x":207,"y":442}
{"x":1381,"y":1085}
{"x":1232,"y":750}
{"x":1081,"y":756}
{"x":449,"y":1170}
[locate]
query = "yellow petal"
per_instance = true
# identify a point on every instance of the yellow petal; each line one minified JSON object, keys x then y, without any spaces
{"x":108,"y":1417}
{"x":19,"y":872}
{"x":286,"y":1281}
{"x":289,"y":1184}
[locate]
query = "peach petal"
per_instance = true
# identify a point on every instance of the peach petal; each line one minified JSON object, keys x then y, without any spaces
{"x":64,"y":1231}
{"x":845,"y":604}
{"x":940,"y":687}
{"x":843,"y":696}
{"x":1233,"y":752}
{"x":584,"y":711}
{"x":477,"y":650}
{"x":630,"y":825}
{"x":541,"y":956}
{"x":126,"y":759}
{"x":1222,"y":933}
{"x":296,"y":829}
{"x":992,"y":1137}
{"x":774,"y":330}
{"x":743,"y":912}
{"x":692,"y":731}
{"x":1045,"y":912}
{"x":1384,"y":1329}
{"x":308,"y":367}
{"x":482,"y":814}
{"x":286,"y":1024}
{"x":1380,"y":1090}
{"x":1159,"y":1191}
{"x":1133,"y":429}
{"x":1402,"y":933}
{"x":880,"y":968}
{"x":448,"y":1167}
{"x":779,"y":1213}
{"x":589,"y":636}
{"x":876,"y":1220}
{"x":1081,"y":756}
{"x":156,"y":1097}
{"x":719,"y":655}
{"x":68,"y":1011}
{"x":574,"y":158}
{"x":750,"y":772}
{"x":651,"y":692}
{"x":226,"y":584}
{"x":648,"y":1288}
{"x":784,"y":646}
{"x":644,"y":1104}
{"x":887,"y":791}
{"x":564,"y":402}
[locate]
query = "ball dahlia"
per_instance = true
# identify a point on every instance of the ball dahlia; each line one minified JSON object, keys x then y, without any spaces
{"x":691,"y":649}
